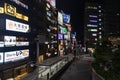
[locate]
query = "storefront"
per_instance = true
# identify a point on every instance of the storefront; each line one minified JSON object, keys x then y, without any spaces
{"x":20,"y":72}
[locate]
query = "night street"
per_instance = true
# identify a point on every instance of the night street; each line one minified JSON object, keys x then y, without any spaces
{"x":80,"y":69}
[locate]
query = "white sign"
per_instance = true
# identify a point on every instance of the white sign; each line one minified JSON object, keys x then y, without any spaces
{"x":22,"y":43}
{"x":16,"y":55}
{"x":1,"y":44}
{"x":60,"y":18}
{"x":16,"y":26}
{"x":20,"y":3}
{"x":52,"y":2}
{"x":10,"y":40}
{"x":1,"y":57}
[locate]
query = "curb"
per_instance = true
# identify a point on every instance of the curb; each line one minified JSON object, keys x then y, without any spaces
{"x":96,"y":76}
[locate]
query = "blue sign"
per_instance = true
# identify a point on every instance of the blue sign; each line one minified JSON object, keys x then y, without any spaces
{"x":66,"y":18}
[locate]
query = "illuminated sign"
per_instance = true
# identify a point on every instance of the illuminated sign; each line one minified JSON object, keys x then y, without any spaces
{"x":60,"y":36}
{"x":91,"y":25}
{"x":18,"y":43}
{"x":66,"y":18}
{"x":94,"y":34}
{"x":60,"y":18}
{"x":1,"y":57}
{"x":16,"y":26}
{"x":1,"y":44}
{"x":9,"y":9}
{"x":94,"y":30}
{"x":1,"y":10}
{"x":93,"y":20}
{"x":10,"y":40}
{"x":63,"y":30}
{"x":48,"y":14}
{"x":16,"y":55}
{"x":25,"y":18}
{"x":94,"y":16}
{"x":52,"y":2}
{"x":20,"y":3}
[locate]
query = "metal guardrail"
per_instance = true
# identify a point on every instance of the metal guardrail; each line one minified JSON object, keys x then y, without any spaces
{"x":96,"y":76}
{"x":48,"y":68}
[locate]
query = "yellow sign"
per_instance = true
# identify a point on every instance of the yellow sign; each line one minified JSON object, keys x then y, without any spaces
{"x":1,"y":10}
{"x":25,"y":18}
{"x":9,"y":9}
{"x":18,"y":15}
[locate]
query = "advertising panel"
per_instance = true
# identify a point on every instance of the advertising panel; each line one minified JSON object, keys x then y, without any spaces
{"x":16,"y":26}
{"x":16,"y":55}
{"x":1,"y":57}
{"x":10,"y":40}
{"x":63,"y":30}
{"x":60,"y":36}
{"x":1,"y":41}
{"x":66,"y":18}
{"x":18,"y":43}
{"x":9,"y":9}
{"x":1,"y":10}
{"x":1,"y":44}
{"x":20,"y":3}
{"x":60,"y":18}
{"x":52,"y":2}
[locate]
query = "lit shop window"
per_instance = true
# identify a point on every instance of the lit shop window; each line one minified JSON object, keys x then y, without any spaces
{"x":91,"y":25}
{"x":99,"y":6}
{"x":100,"y":28}
{"x":99,"y":23}
{"x":93,"y":30}
{"x":100,"y":37}
{"x":100,"y":11}
{"x":95,"y":39}
{"x":93,"y":20}
{"x":100,"y":19}
{"x":100,"y":32}
{"x":94,"y":16}
{"x":91,"y":7}
{"x":94,"y":34}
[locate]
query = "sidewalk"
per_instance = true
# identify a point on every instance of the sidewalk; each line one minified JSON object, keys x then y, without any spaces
{"x":80,"y":69}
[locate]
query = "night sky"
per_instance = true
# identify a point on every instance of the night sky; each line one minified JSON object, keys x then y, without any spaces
{"x":76,"y":9}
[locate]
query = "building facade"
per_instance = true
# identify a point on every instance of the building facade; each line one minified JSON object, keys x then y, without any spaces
{"x":93,"y":25}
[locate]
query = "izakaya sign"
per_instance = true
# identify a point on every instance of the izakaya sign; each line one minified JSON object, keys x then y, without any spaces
{"x":16,"y":26}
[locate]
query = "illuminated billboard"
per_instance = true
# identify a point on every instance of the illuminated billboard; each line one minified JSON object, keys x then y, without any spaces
{"x":60,"y":18}
{"x":1,"y":44}
{"x":16,"y":26}
{"x":20,"y":3}
{"x":52,"y":2}
{"x":16,"y":55}
{"x":1,"y":57}
{"x":10,"y":40}
{"x":63,"y":29}
{"x":9,"y":9}
{"x":1,"y":10}
{"x":60,"y":36}
{"x":66,"y":18}
{"x":18,"y":43}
